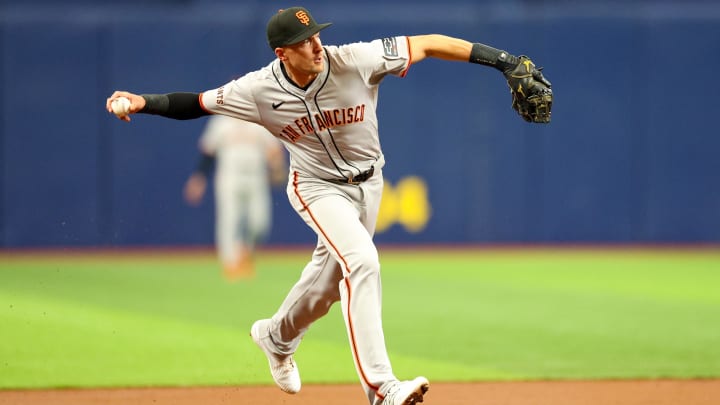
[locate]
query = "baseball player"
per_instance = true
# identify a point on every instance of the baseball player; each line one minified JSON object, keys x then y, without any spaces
{"x":248,"y":161}
{"x":320,"y":101}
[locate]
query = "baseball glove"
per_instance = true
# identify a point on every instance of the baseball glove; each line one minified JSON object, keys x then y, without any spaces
{"x":532,"y":95}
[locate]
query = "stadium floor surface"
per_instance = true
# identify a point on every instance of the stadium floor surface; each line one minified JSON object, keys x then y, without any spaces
{"x":620,"y":392}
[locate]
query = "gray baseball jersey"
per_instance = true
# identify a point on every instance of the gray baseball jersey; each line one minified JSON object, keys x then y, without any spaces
{"x":330,"y":130}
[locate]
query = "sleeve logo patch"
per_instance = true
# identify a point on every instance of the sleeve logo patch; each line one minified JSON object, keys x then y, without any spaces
{"x":390,"y":46}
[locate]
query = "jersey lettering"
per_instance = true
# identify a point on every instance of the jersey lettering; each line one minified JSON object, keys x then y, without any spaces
{"x":306,"y":125}
{"x":338,"y":117}
{"x":327,"y":120}
{"x":219,"y":98}
{"x":291,"y":134}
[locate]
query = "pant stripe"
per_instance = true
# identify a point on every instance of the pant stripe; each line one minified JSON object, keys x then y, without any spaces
{"x":347,"y":285}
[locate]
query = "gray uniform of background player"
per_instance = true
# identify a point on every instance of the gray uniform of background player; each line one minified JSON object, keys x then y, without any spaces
{"x":331,"y":131}
{"x":247,"y":161}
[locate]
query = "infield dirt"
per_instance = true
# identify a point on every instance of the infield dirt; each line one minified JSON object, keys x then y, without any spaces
{"x":643,"y":392}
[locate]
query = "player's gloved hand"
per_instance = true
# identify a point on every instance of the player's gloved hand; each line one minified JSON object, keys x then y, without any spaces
{"x":532,"y":95}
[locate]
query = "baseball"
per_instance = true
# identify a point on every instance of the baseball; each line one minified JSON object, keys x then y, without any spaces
{"x":121,"y":106}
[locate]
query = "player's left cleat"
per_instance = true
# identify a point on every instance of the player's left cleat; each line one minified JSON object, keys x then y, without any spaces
{"x":407,"y":392}
{"x":282,"y":367}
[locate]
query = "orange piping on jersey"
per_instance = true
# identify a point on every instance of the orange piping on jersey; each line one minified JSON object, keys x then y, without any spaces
{"x":347,"y":284}
{"x":410,"y":61}
{"x":202,"y":105}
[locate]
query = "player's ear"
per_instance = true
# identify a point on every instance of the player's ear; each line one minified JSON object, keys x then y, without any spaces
{"x":280,"y":53}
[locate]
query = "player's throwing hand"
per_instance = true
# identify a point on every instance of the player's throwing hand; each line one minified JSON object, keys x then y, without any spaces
{"x":137,"y":103}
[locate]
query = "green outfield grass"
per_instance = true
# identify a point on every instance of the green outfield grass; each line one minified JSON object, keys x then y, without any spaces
{"x":87,"y":320}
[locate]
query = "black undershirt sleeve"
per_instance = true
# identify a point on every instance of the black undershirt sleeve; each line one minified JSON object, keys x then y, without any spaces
{"x":179,"y":106}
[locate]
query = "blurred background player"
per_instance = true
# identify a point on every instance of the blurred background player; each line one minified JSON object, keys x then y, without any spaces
{"x":248,"y":160}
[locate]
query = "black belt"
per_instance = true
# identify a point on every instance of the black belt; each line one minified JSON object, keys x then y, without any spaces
{"x":357,"y":179}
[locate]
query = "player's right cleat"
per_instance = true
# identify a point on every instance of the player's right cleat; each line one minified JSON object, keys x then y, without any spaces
{"x":407,"y":392}
{"x":282,"y":367}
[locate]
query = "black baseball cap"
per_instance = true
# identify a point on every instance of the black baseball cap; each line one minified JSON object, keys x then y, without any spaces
{"x":290,"y":26}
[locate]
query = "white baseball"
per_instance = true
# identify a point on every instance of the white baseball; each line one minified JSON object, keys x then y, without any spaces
{"x":121,"y":106}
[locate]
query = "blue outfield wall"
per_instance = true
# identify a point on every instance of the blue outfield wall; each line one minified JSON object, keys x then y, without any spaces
{"x":631,"y":154}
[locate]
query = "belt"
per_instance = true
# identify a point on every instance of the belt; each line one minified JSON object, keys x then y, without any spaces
{"x":357,"y":179}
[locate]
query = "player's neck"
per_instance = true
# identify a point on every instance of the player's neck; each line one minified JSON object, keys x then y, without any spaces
{"x":299,"y":79}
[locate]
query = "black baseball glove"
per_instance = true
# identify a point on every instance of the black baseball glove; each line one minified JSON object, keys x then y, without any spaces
{"x":532,"y":95}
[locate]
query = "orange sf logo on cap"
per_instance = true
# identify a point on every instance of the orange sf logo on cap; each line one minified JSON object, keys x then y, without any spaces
{"x":303,"y":17}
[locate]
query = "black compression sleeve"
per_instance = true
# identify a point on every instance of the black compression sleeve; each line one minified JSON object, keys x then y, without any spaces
{"x":180,"y":106}
{"x":489,"y":56}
